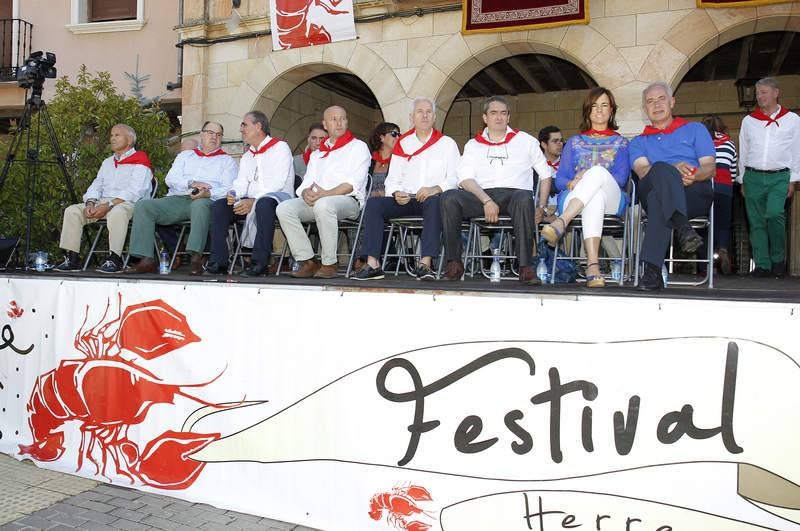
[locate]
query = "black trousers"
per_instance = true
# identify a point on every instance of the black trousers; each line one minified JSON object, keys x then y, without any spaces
{"x":222,"y":216}
{"x":662,"y":194}
{"x":458,"y":205}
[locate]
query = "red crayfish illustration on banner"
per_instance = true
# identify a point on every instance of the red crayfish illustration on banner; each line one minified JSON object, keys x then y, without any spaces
{"x":14,"y":311}
{"x":302,"y":22}
{"x":399,"y":506}
{"x":107,"y":392}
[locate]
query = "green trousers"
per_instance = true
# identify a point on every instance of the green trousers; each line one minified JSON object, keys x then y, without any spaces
{"x":765,"y":197}
{"x":167,"y":211}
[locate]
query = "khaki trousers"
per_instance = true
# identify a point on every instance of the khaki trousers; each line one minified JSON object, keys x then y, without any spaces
{"x":117,"y":223}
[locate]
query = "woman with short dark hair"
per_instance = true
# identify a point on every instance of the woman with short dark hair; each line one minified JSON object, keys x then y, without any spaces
{"x":381,"y":143}
{"x":591,"y":177}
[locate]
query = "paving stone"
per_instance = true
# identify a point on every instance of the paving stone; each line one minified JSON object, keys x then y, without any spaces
{"x":68,"y":519}
{"x":127,"y":514}
{"x":219,"y":518}
{"x":61,"y":527}
{"x":35,"y":521}
{"x":11,"y":526}
{"x":127,"y":525}
{"x":277,"y":524}
{"x":125,"y":503}
{"x":97,"y":516}
{"x":94,"y":505}
{"x":95,"y":526}
{"x":214,"y":526}
{"x":95,"y":496}
{"x":119,"y":492}
{"x":160,"y":523}
{"x":155,"y":501}
{"x":67,"y":508}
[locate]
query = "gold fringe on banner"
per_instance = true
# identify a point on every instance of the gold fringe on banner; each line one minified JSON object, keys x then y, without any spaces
{"x":737,"y":3}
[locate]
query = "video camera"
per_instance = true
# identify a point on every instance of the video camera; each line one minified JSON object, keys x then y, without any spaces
{"x":38,"y":67}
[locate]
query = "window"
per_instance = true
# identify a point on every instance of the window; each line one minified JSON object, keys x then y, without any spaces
{"x":98,"y":16}
{"x":103,"y":10}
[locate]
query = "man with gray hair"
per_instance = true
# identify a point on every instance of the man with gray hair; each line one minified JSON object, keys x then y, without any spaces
{"x":769,"y":165}
{"x":675,"y":161}
{"x":123,"y":178}
{"x":424,"y":164}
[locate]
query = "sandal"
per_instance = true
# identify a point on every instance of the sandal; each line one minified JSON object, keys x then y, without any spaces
{"x":594,"y":281}
{"x":551,"y":234}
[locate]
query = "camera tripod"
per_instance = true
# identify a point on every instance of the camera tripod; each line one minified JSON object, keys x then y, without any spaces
{"x":29,"y":132}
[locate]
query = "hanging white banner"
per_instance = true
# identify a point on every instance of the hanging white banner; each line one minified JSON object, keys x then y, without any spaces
{"x":299,"y":23}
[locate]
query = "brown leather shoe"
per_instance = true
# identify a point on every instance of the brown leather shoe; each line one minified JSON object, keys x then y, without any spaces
{"x":196,"y":264}
{"x":454,"y":270}
{"x":307,"y":270}
{"x":527,"y":274}
{"x":327,"y":271}
{"x":145,"y":265}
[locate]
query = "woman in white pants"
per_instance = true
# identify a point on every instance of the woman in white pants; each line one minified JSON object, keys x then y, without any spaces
{"x":593,"y":173}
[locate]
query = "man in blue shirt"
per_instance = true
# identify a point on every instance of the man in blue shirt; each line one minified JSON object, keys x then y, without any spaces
{"x":675,"y":162}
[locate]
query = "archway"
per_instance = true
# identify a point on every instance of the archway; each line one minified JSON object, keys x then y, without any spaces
{"x":542,"y":90}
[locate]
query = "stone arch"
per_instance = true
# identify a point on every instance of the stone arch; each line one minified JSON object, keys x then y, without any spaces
{"x":271,"y":79}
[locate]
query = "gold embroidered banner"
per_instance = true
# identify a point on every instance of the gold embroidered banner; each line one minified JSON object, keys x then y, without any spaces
{"x":486,"y":16}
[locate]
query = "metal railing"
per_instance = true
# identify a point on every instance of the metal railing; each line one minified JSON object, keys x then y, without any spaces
{"x":15,"y":46}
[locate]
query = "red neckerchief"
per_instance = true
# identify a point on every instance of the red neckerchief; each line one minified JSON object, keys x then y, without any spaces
{"x":720,"y":138}
{"x":555,"y":164}
{"x":758,"y":114}
{"x":673,"y":125}
{"x":263,"y":148}
{"x":306,"y":156}
{"x":398,"y":149}
{"x":481,"y":140}
{"x":604,"y":132}
{"x":137,"y":157}
{"x":376,"y":156}
{"x":212,"y":154}
{"x":340,"y":142}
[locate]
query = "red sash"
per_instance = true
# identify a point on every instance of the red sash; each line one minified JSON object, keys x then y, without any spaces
{"x":720,"y":138}
{"x":212,"y":154}
{"x":398,"y":149}
{"x":554,"y":165}
{"x":342,"y":141}
{"x":604,"y":132}
{"x":137,"y":157}
{"x":758,"y":114}
{"x":376,"y":156}
{"x":673,"y":125}
{"x":263,"y":148}
{"x":306,"y":156}
{"x":481,"y":140}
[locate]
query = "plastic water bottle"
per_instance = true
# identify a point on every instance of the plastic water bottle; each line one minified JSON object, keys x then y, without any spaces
{"x":542,"y":272}
{"x":494,"y":271}
{"x":664,"y":274}
{"x":616,"y":270}
{"x":40,"y":262}
{"x":163,"y":263}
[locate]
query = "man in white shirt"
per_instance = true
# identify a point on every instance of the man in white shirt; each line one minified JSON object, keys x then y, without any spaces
{"x":122,"y":180}
{"x":197,"y":177}
{"x":769,"y":165}
{"x":265,"y":178}
{"x":424,"y":164}
{"x":495,"y":176}
{"x":333,"y":188}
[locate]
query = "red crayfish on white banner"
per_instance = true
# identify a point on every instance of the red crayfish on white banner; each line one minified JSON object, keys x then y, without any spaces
{"x":301,"y":23}
{"x":400,"y":506}
{"x":106,"y":393}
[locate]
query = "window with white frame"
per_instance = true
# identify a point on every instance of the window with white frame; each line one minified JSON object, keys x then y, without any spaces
{"x":97,"y":16}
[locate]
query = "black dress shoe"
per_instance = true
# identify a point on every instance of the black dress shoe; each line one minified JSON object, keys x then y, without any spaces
{"x":651,"y":278}
{"x":760,"y":272}
{"x":690,"y":241}
{"x":213,"y":268}
{"x":779,"y":269}
{"x":255,"y":270}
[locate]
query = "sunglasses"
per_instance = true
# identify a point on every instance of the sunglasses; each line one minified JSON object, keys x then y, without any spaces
{"x":395,"y":133}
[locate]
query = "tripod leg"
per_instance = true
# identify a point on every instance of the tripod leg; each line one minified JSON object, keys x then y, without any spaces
{"x":51,"y":132}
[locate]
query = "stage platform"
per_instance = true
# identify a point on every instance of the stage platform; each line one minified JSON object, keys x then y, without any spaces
{"x":729,"y":288}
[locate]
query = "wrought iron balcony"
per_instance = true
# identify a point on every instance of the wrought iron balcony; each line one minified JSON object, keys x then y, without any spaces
{"x":15,"y":46}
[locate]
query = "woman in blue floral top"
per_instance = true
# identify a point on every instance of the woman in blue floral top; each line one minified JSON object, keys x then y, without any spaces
{"x":593,"y":173}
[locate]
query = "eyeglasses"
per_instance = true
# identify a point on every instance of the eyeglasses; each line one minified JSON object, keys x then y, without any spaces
{"x":395,"y":133}
{"x":210,"y":132}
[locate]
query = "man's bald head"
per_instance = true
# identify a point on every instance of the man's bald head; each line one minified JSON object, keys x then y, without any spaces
{"x":335,"y":121}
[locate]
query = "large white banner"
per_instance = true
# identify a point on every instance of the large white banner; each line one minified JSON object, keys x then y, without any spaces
{"x":346,"y":410}
{"x":299,"y":23}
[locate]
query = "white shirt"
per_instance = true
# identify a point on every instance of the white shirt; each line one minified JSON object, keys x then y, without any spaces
{"x":772,"y":147}
{"x":508,"y":165}
{"x":218,"y":172}
{"x":436,"y":166}
{"x":130,"y":182}
{"x":348,"y":164}
{"x":266,"y":173}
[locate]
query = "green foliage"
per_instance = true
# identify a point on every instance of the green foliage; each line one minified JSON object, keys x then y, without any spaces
{"x":82,"y":114}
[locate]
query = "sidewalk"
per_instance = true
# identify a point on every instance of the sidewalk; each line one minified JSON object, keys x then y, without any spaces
{"x":35,"y":498}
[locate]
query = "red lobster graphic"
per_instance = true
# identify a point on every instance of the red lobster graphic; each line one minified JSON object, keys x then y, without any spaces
{"x":14,"y":311}
{"x":296,"y":21}
{"x":107,"y":394}
{"x":400,"y":505}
